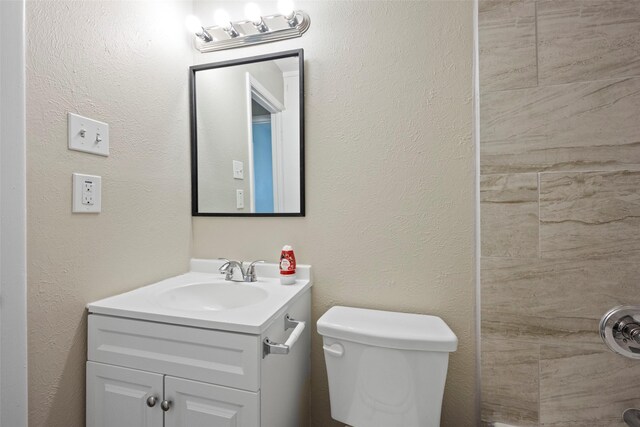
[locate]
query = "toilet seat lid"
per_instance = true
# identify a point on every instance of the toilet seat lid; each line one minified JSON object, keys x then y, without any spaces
{"x":405,"y":331}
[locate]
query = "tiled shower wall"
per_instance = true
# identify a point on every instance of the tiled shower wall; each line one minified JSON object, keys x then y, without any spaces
{"x":560,"y":207}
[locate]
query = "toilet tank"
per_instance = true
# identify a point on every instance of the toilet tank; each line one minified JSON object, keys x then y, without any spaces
{"x":385,"y":369}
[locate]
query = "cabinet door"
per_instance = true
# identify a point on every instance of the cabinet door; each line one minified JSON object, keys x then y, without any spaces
{"x":117,"y":397}
{"x":197,"y":404}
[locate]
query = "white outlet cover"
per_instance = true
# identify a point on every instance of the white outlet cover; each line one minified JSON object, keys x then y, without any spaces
{"x":240,"y":199}
{"x":87,"y":193}
{"x":87,"y":135}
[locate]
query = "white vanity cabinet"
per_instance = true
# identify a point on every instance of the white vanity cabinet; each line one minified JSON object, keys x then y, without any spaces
{"x":206,"y":405}
{"x":169,"y":373}
{"x":121,"y":397}
{"x":117,"y":396}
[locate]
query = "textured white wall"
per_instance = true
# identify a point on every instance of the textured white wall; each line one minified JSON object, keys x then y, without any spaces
{"x":390,"y":173}
{"x":124,"y":63}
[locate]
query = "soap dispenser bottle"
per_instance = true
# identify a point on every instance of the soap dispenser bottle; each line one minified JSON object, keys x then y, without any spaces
{"x":287,"y":266}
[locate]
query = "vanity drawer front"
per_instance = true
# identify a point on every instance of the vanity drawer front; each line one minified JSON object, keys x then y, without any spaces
{"x":224,"y":358}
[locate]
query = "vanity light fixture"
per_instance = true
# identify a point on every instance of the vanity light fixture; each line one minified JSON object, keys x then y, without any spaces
{"x":194,"y":25}
{"x":285,"y":7}
{"x":222,"y":20}
{"x":252,"y":10}
{"x":256,"y":29}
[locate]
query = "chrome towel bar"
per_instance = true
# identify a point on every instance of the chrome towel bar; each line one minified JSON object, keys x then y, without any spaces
{"x":270,"y":347}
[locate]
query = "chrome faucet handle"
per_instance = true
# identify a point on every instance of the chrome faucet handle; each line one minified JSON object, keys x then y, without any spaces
{"x":223,"y":268}
{"x":250,"y":276}
{"x":229,"y":268}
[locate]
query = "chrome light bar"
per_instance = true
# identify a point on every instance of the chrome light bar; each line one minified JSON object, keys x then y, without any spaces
{"x":246,"y":33}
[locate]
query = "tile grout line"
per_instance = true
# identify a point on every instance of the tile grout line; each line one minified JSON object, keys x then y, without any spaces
{"x":539,"y":220}
{"x":576,"y":82}
{"x":535,"y":17}
{"x":478,"y":216}
{"x":539,"y":383}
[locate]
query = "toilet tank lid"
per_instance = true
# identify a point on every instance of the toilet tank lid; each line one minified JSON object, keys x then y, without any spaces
{"x":389,"y":329}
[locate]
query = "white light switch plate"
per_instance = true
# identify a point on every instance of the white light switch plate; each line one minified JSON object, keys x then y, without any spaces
{"x":87,"y":193}
{"x":240,"y":199}
{"x":88,"y":135}
{"x":238,"y":170}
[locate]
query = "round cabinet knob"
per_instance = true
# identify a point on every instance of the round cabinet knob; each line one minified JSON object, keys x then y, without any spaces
{"x":165,"y":405}
{"x":151,"y":401}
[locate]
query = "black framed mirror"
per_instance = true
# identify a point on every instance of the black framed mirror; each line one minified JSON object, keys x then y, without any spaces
{"x":247,"y":136}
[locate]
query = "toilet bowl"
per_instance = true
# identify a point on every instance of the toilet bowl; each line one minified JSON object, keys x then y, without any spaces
{"x":385,"y":369}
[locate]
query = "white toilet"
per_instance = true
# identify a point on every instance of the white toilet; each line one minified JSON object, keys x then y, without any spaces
{"x":385,"y":369}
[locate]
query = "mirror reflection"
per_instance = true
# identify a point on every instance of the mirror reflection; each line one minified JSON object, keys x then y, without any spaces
{"x":247,"y":136}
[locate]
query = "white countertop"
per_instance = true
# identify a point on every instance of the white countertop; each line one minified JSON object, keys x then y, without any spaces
{"x":144,"y":303}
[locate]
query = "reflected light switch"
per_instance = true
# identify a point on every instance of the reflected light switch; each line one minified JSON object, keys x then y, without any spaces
{"x":238,"y":170}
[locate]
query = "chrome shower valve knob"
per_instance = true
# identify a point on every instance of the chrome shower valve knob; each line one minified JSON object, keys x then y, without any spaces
{"x":627,"y":329}
{"x":620,"y":330}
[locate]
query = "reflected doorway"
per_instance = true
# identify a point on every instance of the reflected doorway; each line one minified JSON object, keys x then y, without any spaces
{"x":265,"y":149}
{"x":262,"y":159}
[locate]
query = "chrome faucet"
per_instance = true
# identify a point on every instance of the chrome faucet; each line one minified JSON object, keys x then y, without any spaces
{"x":230,"y":267}
{"x":631,"y":417}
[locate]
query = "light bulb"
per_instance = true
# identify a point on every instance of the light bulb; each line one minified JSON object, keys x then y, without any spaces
{"x":221,"y":18}
{"x":252,"y":11}
{"x":285,"y":7}
{"x":193,"y":24}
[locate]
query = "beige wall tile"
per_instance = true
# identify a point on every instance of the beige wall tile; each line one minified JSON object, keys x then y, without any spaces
{"x":510,"y":382}
{"x":590,"y":214}
{"x":552,"y":301}
{"x":582,"y":117}
{"x":577,"y":126}
{"x":588,"y":40}
{"x":586,"y":386}
{"x":507,"y":42}
{"x":509,"y":215}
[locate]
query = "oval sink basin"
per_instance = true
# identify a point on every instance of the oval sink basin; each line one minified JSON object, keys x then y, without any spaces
{"x":211,"y":296}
